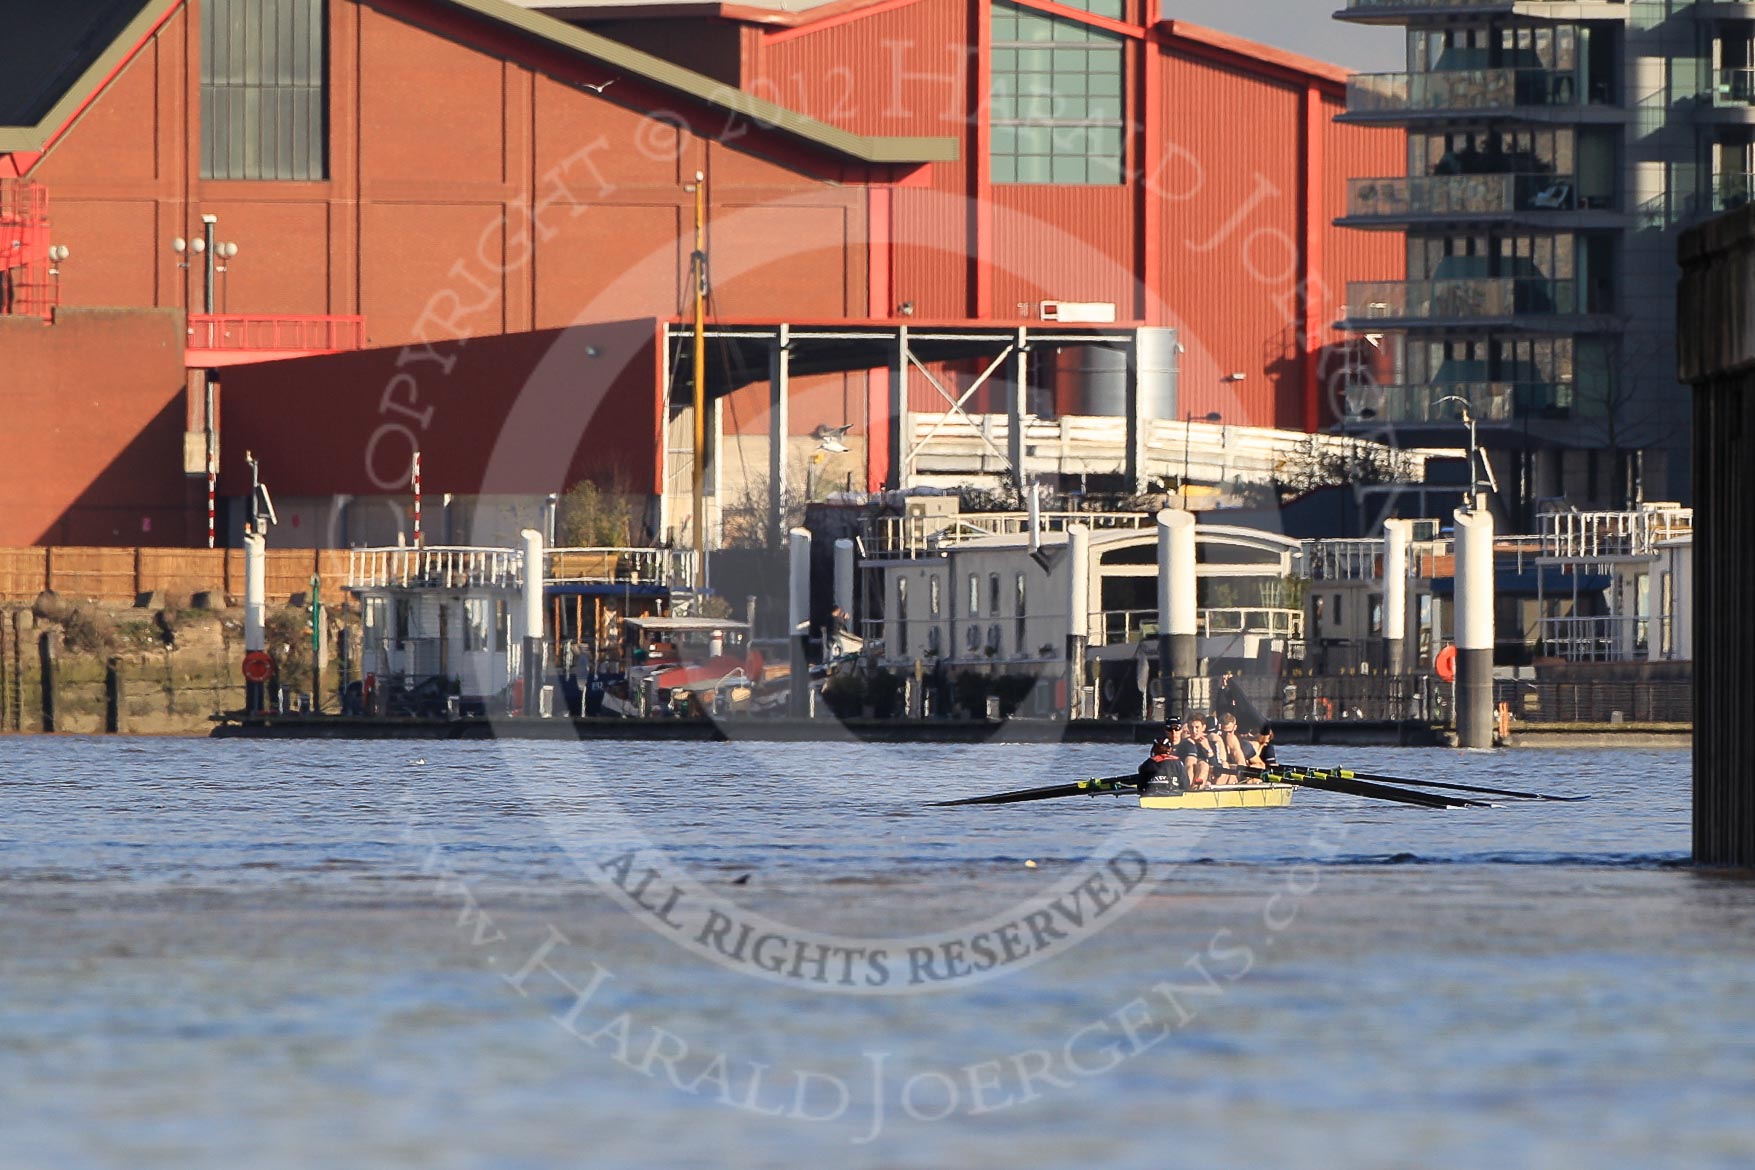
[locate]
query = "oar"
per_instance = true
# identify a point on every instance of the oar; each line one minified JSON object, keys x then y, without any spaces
{"x":1456,"y":787}
{"x":1333,"y":781}
{"x":1330,"y":782}
{"x":1092,"y":787}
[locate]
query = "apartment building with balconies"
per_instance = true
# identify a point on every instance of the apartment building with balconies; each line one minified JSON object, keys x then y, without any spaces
{"x":1555,"y":147}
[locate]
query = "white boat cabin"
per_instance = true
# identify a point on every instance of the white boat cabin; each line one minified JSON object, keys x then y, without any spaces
{"x":980,"y":598}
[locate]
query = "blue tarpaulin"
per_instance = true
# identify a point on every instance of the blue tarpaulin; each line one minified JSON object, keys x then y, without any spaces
{"x":1555,"y":582}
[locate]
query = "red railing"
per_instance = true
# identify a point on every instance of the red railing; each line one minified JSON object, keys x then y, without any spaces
{"x":22,"y":201}
{"x":279,"y":333}
{"x":26,"y":287}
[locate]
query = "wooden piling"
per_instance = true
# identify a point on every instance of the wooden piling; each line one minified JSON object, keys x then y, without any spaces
{"x":49,"y":649}
{"x":8,"y":675}
{"x":113,"y":697}
{"x":21,"y":620}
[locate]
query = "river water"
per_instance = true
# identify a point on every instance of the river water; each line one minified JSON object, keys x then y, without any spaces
{"x":524,"y":955}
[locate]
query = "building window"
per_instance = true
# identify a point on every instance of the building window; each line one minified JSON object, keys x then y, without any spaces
{"x":502,"y":624}
{"x":264,"y":98}
{"x":1056,"y":110}
{"x":974,"y":595}
{"x":1022,"y":638}
{"x":933,"y":595}
{"x":1113,"y":9}
{"x":404,"y":621}
{"x":993,"y":595}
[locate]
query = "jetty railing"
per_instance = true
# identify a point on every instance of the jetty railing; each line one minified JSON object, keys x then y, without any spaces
{"x":1344,"y":560}
{"x":671,"y":567}
{"x":1591,"y":536}
{"x":458,"y":566}
{"x":1133,"y":625}
{"x":1600,"y":638}
{"x":906,"y":537}
{"x":436,"y":565}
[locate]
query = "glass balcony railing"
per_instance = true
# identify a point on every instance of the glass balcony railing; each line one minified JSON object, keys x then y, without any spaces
{"x":1732,"y":190}
{"x":1463,"y":298}
{"x":1733,"y":87}
{"x":1488,"y":401}
{"x":1729,"y":191}
{"x":1461,"y":89}
{"x":1459,"y":195}
{"x":1463,"y":5}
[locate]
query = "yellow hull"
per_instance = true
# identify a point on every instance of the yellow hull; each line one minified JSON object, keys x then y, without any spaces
{"x":1230,"y":796}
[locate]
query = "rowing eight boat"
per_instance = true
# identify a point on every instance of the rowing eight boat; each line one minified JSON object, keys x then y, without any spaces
{"x":1224,"y":796}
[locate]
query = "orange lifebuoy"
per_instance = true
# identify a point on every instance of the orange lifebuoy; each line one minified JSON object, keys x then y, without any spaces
{"x":1328,"y":708}
{"x":258,"y":667}
{"x":1445,"y":664}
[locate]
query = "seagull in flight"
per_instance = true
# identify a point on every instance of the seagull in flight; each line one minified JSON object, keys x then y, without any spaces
{"x":598,"y":88}
{"x":832,"y":439}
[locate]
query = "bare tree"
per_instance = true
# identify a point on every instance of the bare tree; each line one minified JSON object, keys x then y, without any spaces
{"x":1612,"y":414}
{"x":592,"y":516}
{"x":749,"y":521}
{"x":1358,"y":461}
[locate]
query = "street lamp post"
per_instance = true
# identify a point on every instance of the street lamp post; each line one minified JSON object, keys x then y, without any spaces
{"x":1476,"y":464}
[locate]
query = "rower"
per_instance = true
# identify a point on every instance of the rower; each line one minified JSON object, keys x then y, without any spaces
{"x":1163,"y":767}
{"x":1230,"y":747}
{"x":1196,"y":753}
{"x":1261,"y":748}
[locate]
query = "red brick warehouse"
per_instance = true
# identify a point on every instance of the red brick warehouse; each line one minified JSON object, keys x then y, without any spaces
{"x":466,"y":226}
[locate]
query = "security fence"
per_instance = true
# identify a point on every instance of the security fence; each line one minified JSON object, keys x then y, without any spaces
{"x":1664,"y":701}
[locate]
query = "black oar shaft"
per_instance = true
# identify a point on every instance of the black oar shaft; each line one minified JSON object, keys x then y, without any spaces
{"x":1330,"y":782}
{"x":1093,"y":787}
{"x":1337,"y":780}
{"x":1348,"y":772}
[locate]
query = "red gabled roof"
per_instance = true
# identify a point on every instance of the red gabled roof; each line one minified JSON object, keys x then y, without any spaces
{"x":782,"y":17}
{"x":1197,"y":40}
{"x":1253,"y":56}
{"x":21,"y":146}
{"x":25,"y":136}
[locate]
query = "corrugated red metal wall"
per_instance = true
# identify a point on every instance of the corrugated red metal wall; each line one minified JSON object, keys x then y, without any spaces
{"x":1062,"y":243}
{"x":902,"y":71}
{"x":1231,"y":250}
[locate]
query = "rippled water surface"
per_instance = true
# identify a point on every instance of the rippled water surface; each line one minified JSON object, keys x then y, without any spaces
{"x":229,"y":954}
